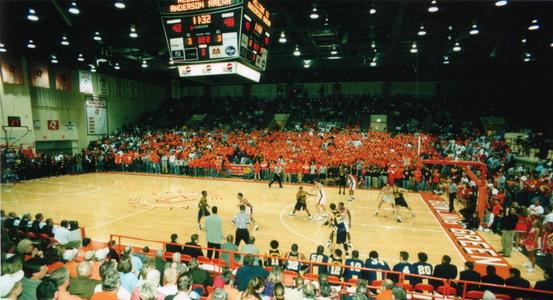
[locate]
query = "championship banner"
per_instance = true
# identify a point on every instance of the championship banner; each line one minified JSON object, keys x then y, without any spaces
{"x":103,"y":83}
{"x":85,"y":82}
{"x":63,"y":80}
{"x":12,"y":71}
{"x":240,"y":170}
{"x":96,"y":116}
{"x":39,"y":75}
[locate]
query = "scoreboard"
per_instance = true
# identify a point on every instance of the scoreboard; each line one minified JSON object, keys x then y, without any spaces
{"x":205,"y":31}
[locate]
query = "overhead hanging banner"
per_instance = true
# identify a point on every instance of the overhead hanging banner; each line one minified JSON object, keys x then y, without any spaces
{"x":85,"y":82}
{"x":96,"y":116}
{"x":63,"y":80}
{"x":12,"y":70}
{"x":39,"y":75}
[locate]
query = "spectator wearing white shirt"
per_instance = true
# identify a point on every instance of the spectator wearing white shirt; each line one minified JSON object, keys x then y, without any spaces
{"x":536,"y":209}
{"x":63,"y":236}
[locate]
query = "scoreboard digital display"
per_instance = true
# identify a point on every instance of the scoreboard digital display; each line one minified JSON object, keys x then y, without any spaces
{"x":205,"y":36}
{"x":203,"y":31}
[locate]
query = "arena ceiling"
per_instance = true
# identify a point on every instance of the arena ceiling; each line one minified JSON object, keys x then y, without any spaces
{"x":360,"y":32}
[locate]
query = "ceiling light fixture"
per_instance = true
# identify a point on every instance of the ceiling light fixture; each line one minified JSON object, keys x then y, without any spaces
{"x":373,"y":44}
{"x":119,"y":4}
{"x":306,"y":63}
{"x":551,"y":45}
{"x":297,"y":51}
{"x":4,"y":50}
{"x":373,"y":62}
{"x":433,"y":7}
{"x":282,"y":39}
{"x":144,"y":64}
{"x":74,"y":9}
{"x":314,"y":14}
{"x":53,"y":59}
{"x":474,"y":30}
{"x":500,"y":3}
{"x":133,"y":34}
{"x":116,"y":67}
{"x":414,"y":48}
{"x":92,"y":68}
{"x":97,"y":36}
{"x":421,"y":32}
{"x":446,"y":60}
{"x":524,"y":40}
{"x":80,"y":57}
{"x":534,"y":25}
{"x":64,"y":40}
{"x":456,"y":47}
{"x":32,"y":15}
{"x":372,"y":10}
{"x":31,"y":44}
{"x":527,"y":57}
{"x":326,"y":21}
{"x":333,"y":51}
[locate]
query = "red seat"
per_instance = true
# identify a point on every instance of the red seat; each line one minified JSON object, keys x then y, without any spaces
{"x":199,"y":287}
{"x":168,"y":255}
{"x":268,"y":268}
{"x":32,"y":235}
{"x":311,"y":276}
{"x":502,"y":297}
{"x":352,"y":281}
{"x":376,"y":283}
{"x":288,"y":277}
{"x":423,"y":287}
{"x":474,"y":295}
{"x":203,"y":260}
{"x":185,"y":257}
{"x":334,"y":279}
{"x":235,"y":265}
{"x":203,"y":298}
{"x":218,"y":262}
{"x":406,"y":286}
{"x":446,"y":290}
{"x":210,"y":289}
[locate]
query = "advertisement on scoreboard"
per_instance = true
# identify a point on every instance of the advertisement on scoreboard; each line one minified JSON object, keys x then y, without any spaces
{"x":169,"y":7}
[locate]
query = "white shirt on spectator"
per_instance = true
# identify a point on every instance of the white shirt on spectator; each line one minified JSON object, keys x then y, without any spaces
{"x":62,"y":235}
{"x":168,"y":290}
{"x":536,"y":209}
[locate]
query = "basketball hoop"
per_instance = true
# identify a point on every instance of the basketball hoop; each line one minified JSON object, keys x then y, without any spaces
{"x":13,"y":134}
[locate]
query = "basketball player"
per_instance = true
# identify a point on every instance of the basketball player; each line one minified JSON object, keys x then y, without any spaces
{"x":274,"y":255}
{"x":202,"y":208}
{"x":400,"y":202}
{"x":385,"y":196}
{"x":294,"y":265}
{"x":352,"y":184}
{"x":338,"y":226}
{"x":336,"y":262}
{"x":321,"y":200}
{"x":249,"y":209}
{"x":355,"y":265}
{"x":319,"y":257}
{"x":342,"y":174}
{"x":346,"y":215}
{"x":301,"y":203}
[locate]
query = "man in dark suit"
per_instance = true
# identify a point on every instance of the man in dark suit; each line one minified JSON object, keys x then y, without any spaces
{"x":492,"y":278}
{"x":193,"y":251}
{"x":515,"y":280}
{"x":173,"y":247}
{"x":469,"y":275}
{"x":444,"y":270}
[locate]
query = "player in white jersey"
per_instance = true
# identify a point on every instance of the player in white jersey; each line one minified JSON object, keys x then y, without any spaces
{"x":249,"y":209}
{"x":320,"y":193}
{"x":352,"y":184}
{"x":346,"y":215}
{"x":386,"y":195}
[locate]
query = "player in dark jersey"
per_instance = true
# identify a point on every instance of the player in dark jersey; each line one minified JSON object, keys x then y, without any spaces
{"x":202,"y":208}
{"x":403,"y":266}
{"x":338,"y":226}
{"x":400,"y":201}
{"x":421,"y":268}
{"x":342,"y":179}
{"x":374,"y":263}
{"x":274,"y":255}
{"x":336,"y":262}
{"x":301,"y":203}
{"x":319,"y":257}
{"x":356,"y":264}
{"x":293,"y":264}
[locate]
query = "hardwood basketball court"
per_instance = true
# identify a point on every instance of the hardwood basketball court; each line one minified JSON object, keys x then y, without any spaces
{"x":153,"y":207}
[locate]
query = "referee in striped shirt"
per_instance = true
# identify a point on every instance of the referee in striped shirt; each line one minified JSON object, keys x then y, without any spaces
{"x":241,"y":221}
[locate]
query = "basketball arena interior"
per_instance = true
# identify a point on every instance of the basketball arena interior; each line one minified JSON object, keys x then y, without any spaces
{"x":276,"y":149}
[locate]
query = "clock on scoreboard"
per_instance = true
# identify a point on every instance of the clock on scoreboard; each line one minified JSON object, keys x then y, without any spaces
{"x":203,"y":31}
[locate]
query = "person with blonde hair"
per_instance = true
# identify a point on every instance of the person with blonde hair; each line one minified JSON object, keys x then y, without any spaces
{"x":254,"y":290}
{"x":274,"y":277}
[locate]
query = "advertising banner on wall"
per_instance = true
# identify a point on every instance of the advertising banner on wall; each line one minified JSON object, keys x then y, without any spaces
{"x":39,"y":75}
{"x":103,"y":82}
{"x":85,"y":82}
{"x":96,"y":115}
{"x":12,"y":70}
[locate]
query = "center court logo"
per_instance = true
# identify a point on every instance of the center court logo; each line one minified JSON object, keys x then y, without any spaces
{"x":171,"y":200}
